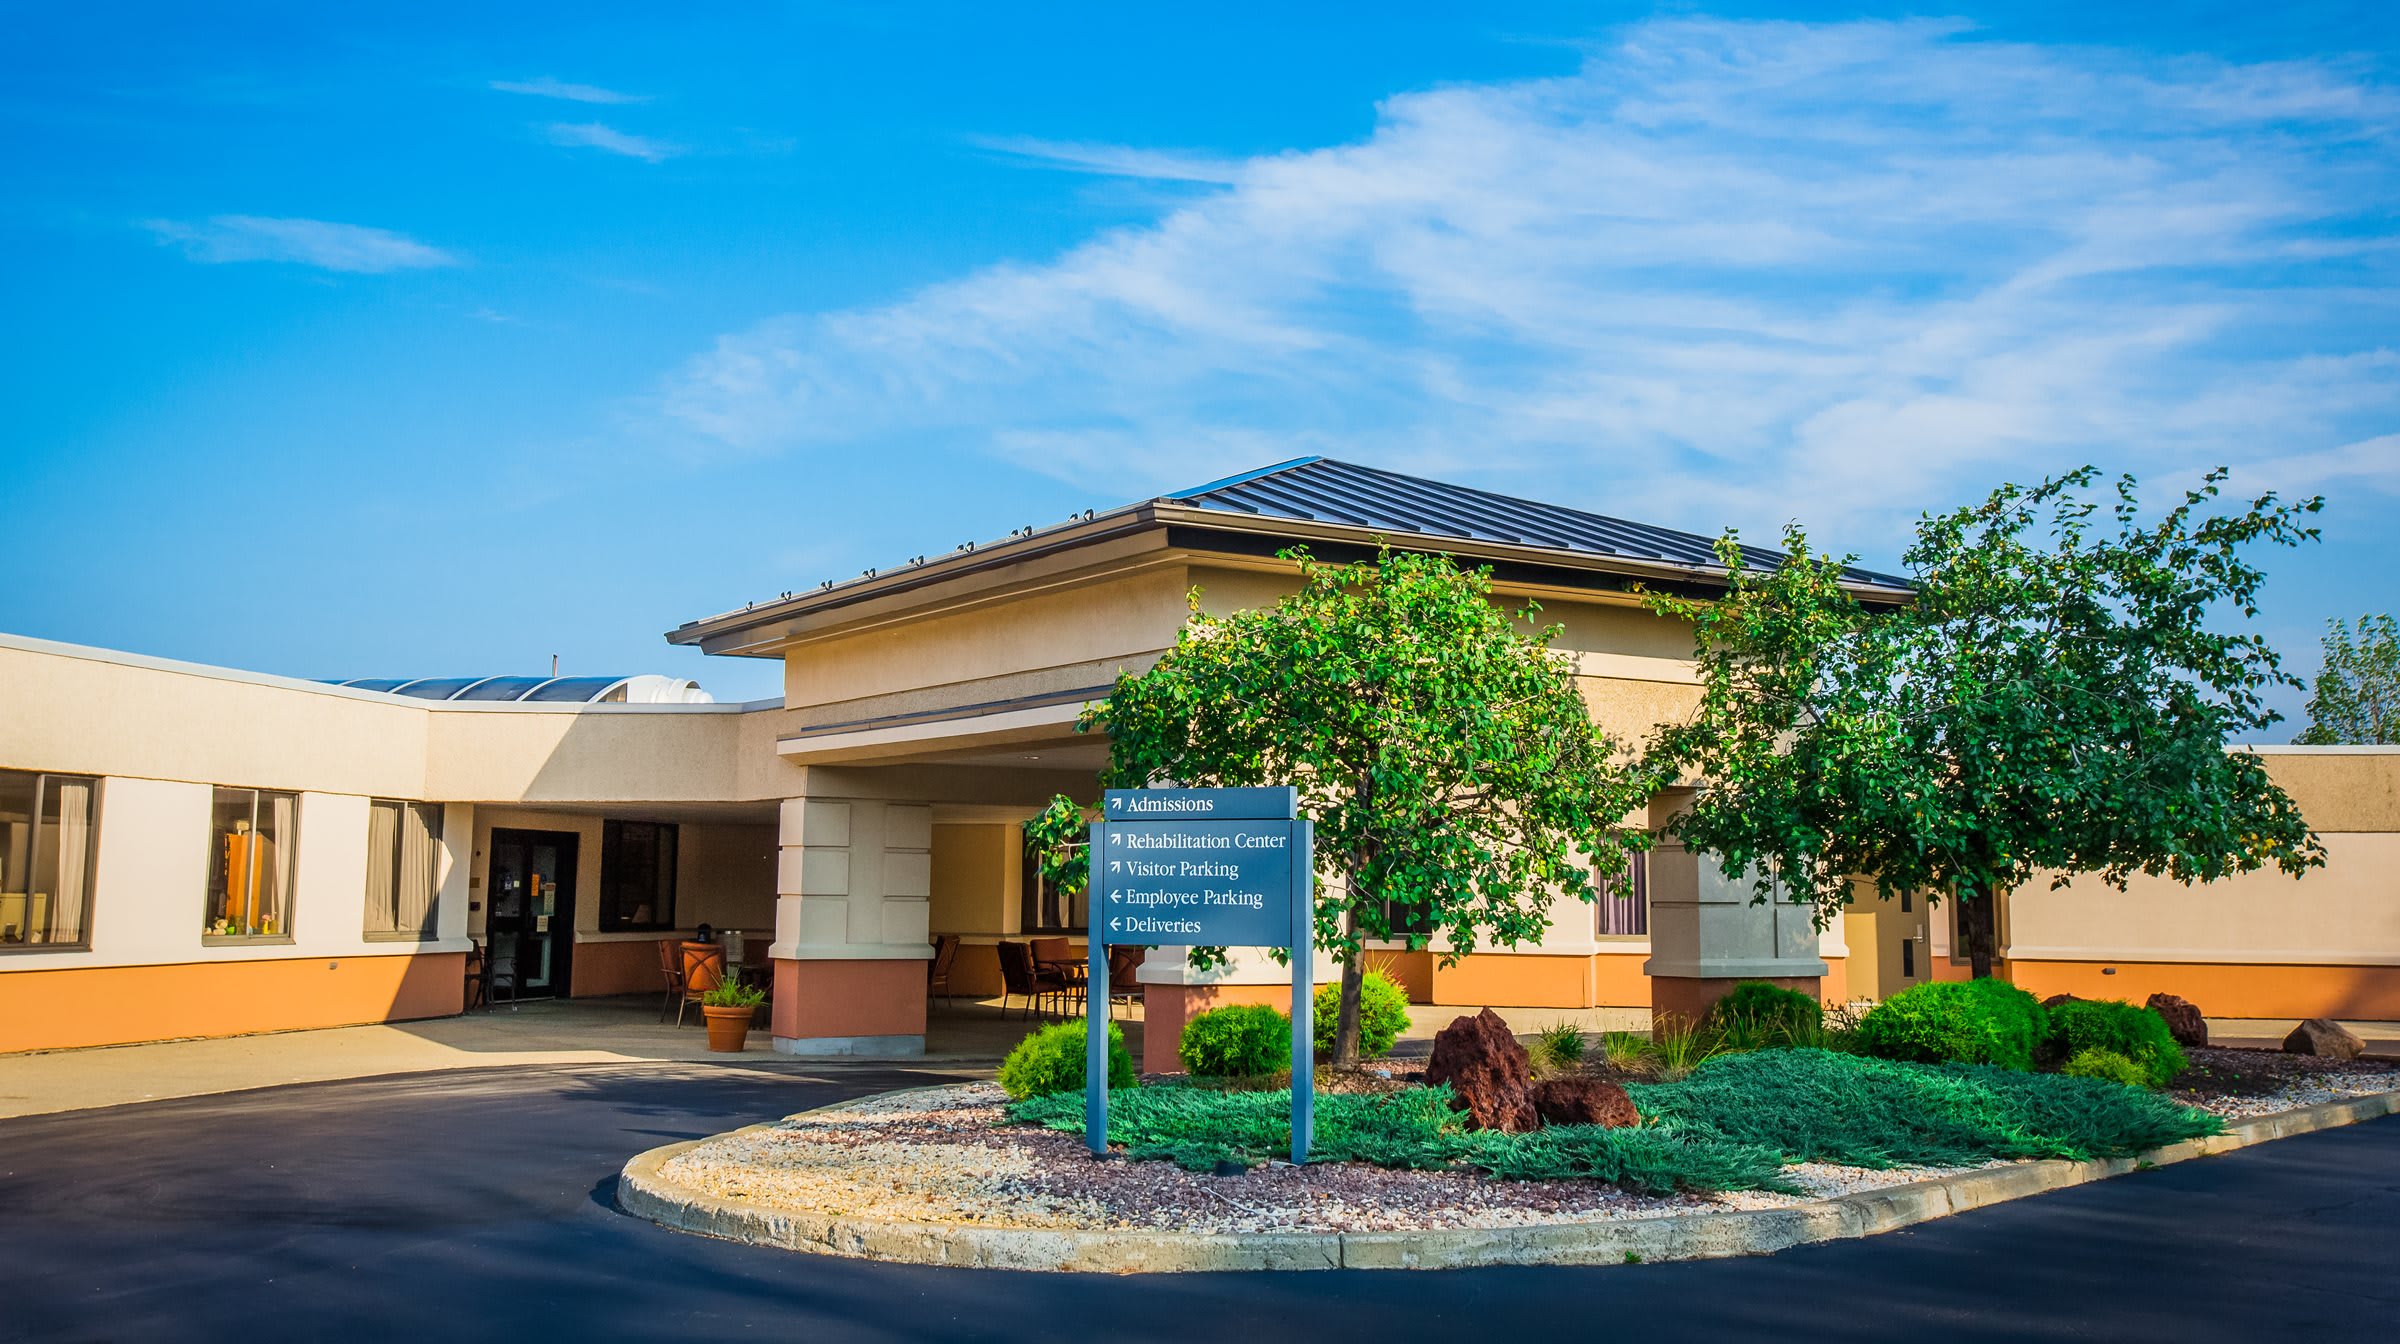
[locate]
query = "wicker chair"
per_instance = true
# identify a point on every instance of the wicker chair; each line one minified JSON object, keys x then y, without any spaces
{"x":670,"y":966}
{"x":1021,"y":977}
{"x":937,"y":971}
{"x":703,"y":968}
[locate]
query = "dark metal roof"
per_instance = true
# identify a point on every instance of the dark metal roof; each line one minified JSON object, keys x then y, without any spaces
{"x":552,"y":690}
{"x":1321,"y":490}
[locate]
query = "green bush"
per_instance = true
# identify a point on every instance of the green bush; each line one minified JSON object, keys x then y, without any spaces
{"x":2108,"y":1064}
{"x":1382,"y":1015}
{"x":2135,"y":1033}
{"x":1768,"y":1013}
{"x":1561,"y":1044}
{"x":1818,"y":1106}
{"x":1239,"y":1041}
{"x":1051,"y":1060}
{"x":1957,"y":1022}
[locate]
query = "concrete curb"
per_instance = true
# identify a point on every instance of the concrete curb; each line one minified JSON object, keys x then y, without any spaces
{"x":642,"y":1191}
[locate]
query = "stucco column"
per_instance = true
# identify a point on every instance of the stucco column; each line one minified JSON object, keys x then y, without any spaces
{"x":853,"y":888}
{"x":1706,"y":934}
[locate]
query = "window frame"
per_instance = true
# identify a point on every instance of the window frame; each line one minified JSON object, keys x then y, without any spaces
{"x":291,"y":848}
{"x":431,"y":930}
{"x":1036,"y":894}
{"x":33,"y":854}
{"x":610,"y":919}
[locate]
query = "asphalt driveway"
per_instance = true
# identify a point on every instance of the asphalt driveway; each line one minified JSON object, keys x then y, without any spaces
{"x":474,"y":1206}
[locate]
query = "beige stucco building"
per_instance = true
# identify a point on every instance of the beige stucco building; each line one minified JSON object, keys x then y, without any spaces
{"x":196,"y":851}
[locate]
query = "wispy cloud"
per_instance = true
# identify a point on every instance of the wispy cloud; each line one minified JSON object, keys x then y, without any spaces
{"x":547,"y":87}
{"x":305,"y":242}
{"x":593,"y":135}
{"x":1117,"y":160}
{"x":1722,"y":272}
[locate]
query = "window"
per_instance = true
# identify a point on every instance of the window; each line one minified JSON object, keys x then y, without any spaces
{"x":253,"y":835}
{"x":1044,"y":908}
{"x":404,"y":853}
{"x":47,"y":827}
{"x":637,"y":875}
{"x":1621,"y":904}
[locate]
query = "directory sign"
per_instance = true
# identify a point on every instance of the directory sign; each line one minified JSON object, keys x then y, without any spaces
{"x":1202,"y":868}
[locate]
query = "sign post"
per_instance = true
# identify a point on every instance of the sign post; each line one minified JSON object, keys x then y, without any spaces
{"x":1202,"y":868}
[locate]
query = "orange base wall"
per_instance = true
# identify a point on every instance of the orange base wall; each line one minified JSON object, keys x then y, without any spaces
{"x":1165,"y":1008}
{"x":1681,"y":1000}
{"x":121,"y":1005}
{"x":2369,"y":993}
{"x":819,"y":1000}
{"x":617,"y":968}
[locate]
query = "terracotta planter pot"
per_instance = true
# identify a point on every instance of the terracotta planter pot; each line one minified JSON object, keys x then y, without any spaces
{"x":728,"y":1028}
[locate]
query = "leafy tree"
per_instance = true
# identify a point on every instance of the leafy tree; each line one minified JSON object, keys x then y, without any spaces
{"x":2054,"y":697}
{"x":1452,"y":768}
{"x":2357,"y":699}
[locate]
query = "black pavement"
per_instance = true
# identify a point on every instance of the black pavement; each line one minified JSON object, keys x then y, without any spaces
{"x":475,"y":1206}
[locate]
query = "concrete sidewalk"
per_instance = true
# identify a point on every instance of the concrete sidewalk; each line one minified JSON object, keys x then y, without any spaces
{"x":627,"y":1031}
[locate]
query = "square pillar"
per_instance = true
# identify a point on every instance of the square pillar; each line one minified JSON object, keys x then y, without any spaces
{"x":853,"y":888}
{"x":1708,"y":931}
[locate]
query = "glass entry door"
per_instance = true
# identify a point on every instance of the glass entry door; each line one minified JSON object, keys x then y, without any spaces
{"x":531,"y":922}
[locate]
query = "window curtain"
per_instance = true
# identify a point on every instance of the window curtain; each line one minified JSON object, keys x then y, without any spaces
{"x":74,"y":859}
{"x":420,"y":861}
{"x":279,"y":817}
{"x":1622,"y":907}
{"x":383,"y":837}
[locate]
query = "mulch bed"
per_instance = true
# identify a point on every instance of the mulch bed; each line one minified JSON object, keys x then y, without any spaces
{"x":2216,"y":1072}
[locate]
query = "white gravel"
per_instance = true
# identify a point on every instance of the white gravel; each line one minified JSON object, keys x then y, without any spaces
{"x":945,"y":1156}
{"x":2312,"y":1091}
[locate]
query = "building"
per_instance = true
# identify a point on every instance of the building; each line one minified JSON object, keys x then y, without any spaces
{"x":195,"y":851}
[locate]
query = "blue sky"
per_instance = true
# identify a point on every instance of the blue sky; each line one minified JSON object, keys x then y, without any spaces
{"x":440,"y":339}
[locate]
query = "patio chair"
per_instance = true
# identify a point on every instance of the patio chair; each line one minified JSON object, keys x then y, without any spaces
{"x":1124,"y":963}
{"x":703,"y":970}
{"x":670,"y":966}
{"x":937,"y":971}
{"x":499,"y":978}
{"x":1021,"y":977}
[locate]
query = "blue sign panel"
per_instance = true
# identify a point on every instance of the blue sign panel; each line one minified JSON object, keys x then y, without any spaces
{"x":1202,"y":868}
{"x":1275,"y":804}
{"x":1202,"y":883}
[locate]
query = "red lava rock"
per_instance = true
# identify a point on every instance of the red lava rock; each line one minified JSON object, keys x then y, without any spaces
{"x":2324,"y":1038}
{"x":1582,"y":1100}
{"x":2056,"y":999}
{"x":1487,"y":1070}
{"x":2184,"y":1021}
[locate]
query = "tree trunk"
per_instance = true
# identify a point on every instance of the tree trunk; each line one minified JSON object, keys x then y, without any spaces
{"x":1979,"y":928}
{"x":1345,"y":1022}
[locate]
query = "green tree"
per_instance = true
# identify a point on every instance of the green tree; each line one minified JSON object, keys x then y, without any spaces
{"x":1453,"y":771}
{"x":2054,"y":697}
{"x":2357,"y":697}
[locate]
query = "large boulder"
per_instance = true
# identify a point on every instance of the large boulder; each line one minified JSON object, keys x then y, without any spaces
{"x":1488,"y":1072}
{"x":2184,"y":1021}
{"x":1578,"y":1099}
{"x":2324,"y":1038}
{"x":2056,"y":999}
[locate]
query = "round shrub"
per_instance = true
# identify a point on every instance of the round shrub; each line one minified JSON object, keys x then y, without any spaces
{"x":2106,"y":1064}
{"x":1051,"y":1060}
{"x":2131,"y":1032}
{"x":1382,"y":1014}
{"x":1770,"y":1011}
{"x":1957,"y":1022}
{"x":1240,"y":1041}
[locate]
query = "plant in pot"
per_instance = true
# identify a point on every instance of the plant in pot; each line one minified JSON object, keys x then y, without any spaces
{"x":729,"y":1006}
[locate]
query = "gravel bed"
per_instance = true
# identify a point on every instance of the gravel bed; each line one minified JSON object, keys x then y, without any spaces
{"x":946,"y":1155}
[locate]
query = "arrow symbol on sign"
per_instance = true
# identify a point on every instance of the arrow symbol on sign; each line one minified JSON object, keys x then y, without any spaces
{"x":1116,"y":804}
{"x":1115,"y":866}
{"x":1112,"y":925}
{"x":1112,"y":837}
